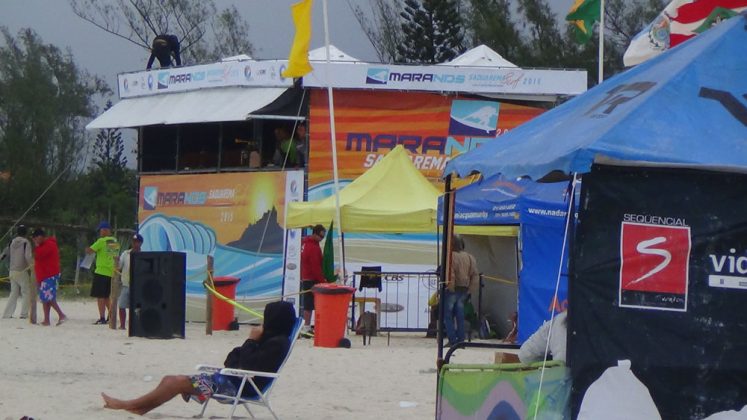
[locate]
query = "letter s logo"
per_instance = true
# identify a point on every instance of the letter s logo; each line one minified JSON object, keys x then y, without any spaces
{"x":644,"y":247}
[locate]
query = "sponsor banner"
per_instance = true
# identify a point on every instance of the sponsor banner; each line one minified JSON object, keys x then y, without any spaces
{"x":654,"y":265}
{"x":180,"y":79}
{"x":292,"y":243}
{"x":659,"y":269}
{"x":235,"y":217}
{"x":433,"y":128}
{"x":444,"y":78}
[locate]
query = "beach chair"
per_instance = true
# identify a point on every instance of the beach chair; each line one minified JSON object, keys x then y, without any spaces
{"x":247,"y":379}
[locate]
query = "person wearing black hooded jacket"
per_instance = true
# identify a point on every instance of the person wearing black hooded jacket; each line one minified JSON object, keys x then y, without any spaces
{"x":264,"y":350}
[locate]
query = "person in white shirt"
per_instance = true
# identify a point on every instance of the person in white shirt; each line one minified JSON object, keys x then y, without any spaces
{"x":533,"y":350}
{"x":21,"y":261}
{"x":124,"y":270}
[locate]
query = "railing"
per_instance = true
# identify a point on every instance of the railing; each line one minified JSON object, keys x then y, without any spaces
{"x":402,"y":302}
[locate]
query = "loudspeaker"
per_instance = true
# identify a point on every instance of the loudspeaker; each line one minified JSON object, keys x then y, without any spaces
{"x":157,"y":294}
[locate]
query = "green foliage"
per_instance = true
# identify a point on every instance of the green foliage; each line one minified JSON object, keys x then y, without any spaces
{"x":432,"y":30}
{"x":44,"y":103}
{"x":525,"y":32}
{"x":491,"y":24}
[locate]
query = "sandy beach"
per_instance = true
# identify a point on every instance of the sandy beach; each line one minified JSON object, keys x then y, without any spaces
{"x":58,"y":372}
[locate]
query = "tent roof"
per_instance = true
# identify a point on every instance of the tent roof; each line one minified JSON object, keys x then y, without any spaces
{"x":198,"y":106}
{"x":685,"y":106}
{"x":335,"y":54}
{"x":393,"y":196}
{"x":481,"y":56}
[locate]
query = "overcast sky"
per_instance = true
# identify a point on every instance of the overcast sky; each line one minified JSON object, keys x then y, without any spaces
{"x":270,"y":28}
{"x":103,"y":54}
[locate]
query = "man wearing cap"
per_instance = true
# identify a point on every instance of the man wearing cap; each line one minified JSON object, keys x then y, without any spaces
{"x":124,"y":269}
{"x":47,"y":269}
{"x":19,"y":265}
{"x":106,"y":249}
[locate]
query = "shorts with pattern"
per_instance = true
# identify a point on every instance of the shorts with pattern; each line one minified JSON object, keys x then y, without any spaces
{"x":208,"y":384}
{"x":48,"y":289}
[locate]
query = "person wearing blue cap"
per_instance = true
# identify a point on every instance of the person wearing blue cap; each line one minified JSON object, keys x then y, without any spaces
{"x":124,"y":270}
{"x":106,"y":249}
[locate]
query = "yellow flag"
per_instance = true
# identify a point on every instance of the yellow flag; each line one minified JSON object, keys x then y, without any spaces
{"x":298,"y":59}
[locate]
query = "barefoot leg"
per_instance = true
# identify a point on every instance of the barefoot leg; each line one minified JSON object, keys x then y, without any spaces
{"x":169,"y":387}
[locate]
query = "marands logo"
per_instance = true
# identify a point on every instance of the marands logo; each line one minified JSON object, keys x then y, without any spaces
{"x":654,"y":263}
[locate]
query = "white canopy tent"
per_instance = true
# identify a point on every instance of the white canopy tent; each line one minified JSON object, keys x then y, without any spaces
{"x":335,"y":54}
{"x":480,"y":56}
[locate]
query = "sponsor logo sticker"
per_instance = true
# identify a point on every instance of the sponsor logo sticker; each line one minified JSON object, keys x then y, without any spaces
{"x":654,"y":266}
{"x":150,"y":198}
{"x":377,"y":76}
{"x":473,"y":118}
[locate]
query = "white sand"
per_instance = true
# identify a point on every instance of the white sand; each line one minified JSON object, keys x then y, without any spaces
{"x":59,"y":372}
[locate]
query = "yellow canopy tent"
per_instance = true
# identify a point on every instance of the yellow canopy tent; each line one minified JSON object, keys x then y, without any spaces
{"x":393,"y":196}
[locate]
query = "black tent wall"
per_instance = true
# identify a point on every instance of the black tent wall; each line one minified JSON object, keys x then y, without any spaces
{"x":654,"y":249}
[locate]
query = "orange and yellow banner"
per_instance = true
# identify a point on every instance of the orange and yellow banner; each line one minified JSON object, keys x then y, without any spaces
{"x":433,"y":128}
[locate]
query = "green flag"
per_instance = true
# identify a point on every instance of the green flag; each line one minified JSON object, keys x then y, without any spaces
{"x":328,"y":257}
{"x":582,"y":16}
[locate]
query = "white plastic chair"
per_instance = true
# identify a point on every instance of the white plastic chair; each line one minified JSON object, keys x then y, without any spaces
{"x":262,"y":397}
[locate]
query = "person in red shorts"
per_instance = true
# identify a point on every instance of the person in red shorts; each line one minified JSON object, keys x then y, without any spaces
{"x":47,"y":269}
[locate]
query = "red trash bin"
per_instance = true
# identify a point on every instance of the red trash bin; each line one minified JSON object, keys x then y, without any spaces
{"x":223,"y":311}
{"x":331,"y":303}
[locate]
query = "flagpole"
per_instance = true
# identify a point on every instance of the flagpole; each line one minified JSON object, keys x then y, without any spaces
{"x":601,"y":42}
{"x":338,"y":218}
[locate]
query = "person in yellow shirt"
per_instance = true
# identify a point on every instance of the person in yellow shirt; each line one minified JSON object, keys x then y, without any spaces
{"x":106,"y":249}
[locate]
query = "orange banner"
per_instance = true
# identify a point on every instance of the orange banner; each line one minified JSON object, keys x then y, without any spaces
{"x":228,"y":202}
{"x":434,"y":128}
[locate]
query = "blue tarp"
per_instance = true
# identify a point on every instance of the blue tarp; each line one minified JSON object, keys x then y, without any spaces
{"x":543,"y":209}
{"x":540,"y":209}
{"x":489,"y":201}
{"x":685,"y":106}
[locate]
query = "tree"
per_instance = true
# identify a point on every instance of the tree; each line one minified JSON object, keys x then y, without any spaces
{"x":205,"y":33}
{"x":432,"y":31}
{"x":108,"y":150}
{"x":491,"y":23}
{"x":44,"y":102}
{"x":382,"y":32}
{"x":532,"y":36}
{"x":111,"y":187}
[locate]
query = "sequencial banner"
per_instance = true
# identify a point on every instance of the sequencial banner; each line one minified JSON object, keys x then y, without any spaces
{"x":659,"y":277}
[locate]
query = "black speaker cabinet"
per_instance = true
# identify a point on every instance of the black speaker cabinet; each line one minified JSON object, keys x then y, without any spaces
{"x":157,"y":294}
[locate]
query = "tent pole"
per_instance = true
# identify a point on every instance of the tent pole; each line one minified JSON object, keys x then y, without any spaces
{"x":448,"y":230}
{"x":333,"y":140}
{"x":601,"y":43}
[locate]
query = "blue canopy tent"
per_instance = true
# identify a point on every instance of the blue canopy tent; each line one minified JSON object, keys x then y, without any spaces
{"x":681,"y":115}
{"x":487,"y":218}
{"x":489,"y":214}
{"x":683,"y":107}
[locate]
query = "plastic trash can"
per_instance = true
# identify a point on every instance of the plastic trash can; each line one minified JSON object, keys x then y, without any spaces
{"x":331,"y":303}
{"x":223,"y":313}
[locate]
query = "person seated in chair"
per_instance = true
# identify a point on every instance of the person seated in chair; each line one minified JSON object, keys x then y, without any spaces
{"x":533,"y":349}
{"x":264,"y":350}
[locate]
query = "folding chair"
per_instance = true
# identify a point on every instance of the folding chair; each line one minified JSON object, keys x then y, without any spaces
{"x":247,"y":379}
